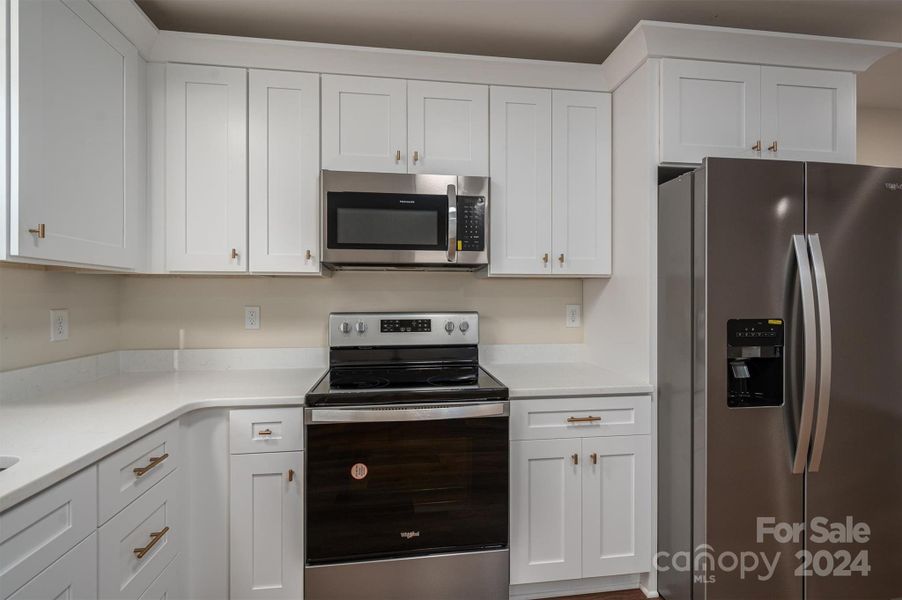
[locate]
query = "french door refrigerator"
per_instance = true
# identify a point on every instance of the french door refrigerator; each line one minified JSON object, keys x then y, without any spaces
{"x":780,"y":382}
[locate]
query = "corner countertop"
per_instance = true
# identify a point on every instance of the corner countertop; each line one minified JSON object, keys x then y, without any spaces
{"x":563,"y":379}
{"x":59,"y":434}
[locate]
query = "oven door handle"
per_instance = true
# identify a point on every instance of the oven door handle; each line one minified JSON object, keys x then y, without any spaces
{"x":452,"y":223}
{"x":381,"y":414}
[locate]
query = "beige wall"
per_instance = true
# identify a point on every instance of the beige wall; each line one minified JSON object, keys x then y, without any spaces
{"x":294,"y":310}
{"x":880,"y":136}
{"x":27,"y":294}
{"x":109,"y":312}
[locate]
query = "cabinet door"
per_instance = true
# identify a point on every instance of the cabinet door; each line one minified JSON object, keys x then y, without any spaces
{"x":266,"y":543}
{"x":709,"y":109}
{"x":520,"y":149}
{"x":283,"y":171}
{"x":808,"y":114}
{"x":77,"y":135}
{"x":206,"y":168}
{"x":447,"y":128}
{"x":364,"y":124}
{"x":73,"y":576}
{"x":581,"y":197}
{"x":545,"y":510}
{"x":616,"y":507}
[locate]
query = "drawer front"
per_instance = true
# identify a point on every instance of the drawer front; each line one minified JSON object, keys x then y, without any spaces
{"x":74,"y":576}
{"x":266,"y":430}
{"x":38,"y":531}
{"x":553,"y":418}
{"x":124,"y":573}
{"x":130,"y":472}
{"x":164,"y":587}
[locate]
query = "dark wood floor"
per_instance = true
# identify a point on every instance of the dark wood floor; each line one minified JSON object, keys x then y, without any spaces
{"x":624,"y":595}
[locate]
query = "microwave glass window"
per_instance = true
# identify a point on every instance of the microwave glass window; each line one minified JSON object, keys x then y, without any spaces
{"x":383,"y":227}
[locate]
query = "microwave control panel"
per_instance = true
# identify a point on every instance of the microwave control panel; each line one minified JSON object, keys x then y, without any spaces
{"x":471,"y":223}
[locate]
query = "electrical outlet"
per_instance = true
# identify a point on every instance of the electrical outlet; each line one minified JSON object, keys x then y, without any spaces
{"x":574,"y":315}
{"x":252,"y":317}
{"x":59,"y":325}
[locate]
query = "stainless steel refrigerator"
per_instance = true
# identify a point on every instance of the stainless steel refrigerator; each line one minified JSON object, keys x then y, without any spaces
{"x":780,"y":379}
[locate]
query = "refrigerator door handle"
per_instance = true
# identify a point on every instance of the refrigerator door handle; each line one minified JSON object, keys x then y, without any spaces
{"x":800,"y":459}
{"x":826,"y":351}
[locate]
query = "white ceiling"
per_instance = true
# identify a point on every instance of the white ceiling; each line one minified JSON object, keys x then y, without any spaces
{"x":567,"y":30}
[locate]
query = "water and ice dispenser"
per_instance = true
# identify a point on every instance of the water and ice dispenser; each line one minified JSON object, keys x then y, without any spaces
{"x":754,"y":363}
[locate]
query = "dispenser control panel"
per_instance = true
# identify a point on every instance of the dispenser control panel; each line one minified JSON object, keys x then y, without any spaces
{"x":754,"y":363}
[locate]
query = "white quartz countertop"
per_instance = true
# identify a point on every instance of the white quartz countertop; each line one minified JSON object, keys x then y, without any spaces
{"x":58,"y":434}
{"x":553,"y":380}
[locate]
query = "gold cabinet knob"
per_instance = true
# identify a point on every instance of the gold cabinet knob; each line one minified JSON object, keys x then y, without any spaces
{"x":757,"y":146}
{"x":773,"y":147}
{"x":39,"y":232}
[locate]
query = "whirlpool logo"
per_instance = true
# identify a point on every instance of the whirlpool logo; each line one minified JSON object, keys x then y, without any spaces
{"x":409,"y":535}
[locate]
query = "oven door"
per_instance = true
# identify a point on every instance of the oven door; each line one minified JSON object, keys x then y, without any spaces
{"x":410,"y":480}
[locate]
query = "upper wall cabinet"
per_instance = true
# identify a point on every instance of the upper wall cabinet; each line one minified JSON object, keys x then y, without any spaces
{"x":76,"y":137}
{"x":364,"y":124}
{"x":551,"y":182}
{"x":206,"y":166}
{"x":283,"y":171}
{"x":808,"y":115}
{"x":749,"y":111}
{"x":447,"y":128}
{"x":396,"y":126}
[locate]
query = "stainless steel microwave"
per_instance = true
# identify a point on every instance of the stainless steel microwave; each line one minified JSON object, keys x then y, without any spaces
{"x":394,"y":220}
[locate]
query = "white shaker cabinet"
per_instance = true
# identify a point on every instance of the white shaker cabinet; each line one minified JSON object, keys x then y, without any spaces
{"x":364,"y":124}
{"x":447,"y":128}
{"x":520,"y":158}
{"x":283,"y":171}
{"x":709,"y":109}
{"x":266,"y":526}
{"x":76,"y":137}
{"x":73,"y":576}
{"x":616,"y":505}
{"x":206,"y":168}
{"x":545,"y":510}
{"x":808,"y":114}
{"x":581,"y":183}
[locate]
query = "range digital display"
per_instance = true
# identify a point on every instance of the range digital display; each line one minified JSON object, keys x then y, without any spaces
{"x":405,"y":325}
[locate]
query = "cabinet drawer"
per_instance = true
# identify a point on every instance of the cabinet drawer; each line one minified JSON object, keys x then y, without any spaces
{"x":38,"y":531}
{"x":150,"y":523}
{"x":164,"y":586}
{"x":74,"y":576}
{"x":266,"y":430}
{"x":580,"y":417}
{"x":130,"y":472}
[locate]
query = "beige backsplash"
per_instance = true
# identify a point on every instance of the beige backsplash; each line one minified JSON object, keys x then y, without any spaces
{"x":109,"y":312}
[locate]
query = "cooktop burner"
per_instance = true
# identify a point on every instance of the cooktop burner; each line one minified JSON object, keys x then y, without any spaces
{"x":374,"y":360}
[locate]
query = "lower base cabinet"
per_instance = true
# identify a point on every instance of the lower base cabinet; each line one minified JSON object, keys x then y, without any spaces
{"x":165,"y":587}
{"x":73,"y":576}
{"x":266,"y":526}
{"x":580,"y":507}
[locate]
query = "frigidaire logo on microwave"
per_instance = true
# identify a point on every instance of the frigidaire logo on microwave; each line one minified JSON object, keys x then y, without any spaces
{"x":410,"y":534}
{"x":407,"y":201}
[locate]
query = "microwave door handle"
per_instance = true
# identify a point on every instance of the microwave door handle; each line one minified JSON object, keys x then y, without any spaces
{"x":452,"y":223}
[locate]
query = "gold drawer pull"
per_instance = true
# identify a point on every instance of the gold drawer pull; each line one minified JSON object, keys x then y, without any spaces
{"x":773,"y":147}
{"x":154,"y":461}
{"x":589,"y":419}
{"x":40,"y":232}
{"x":594,"y":457}
{"x":290,"y":474}
{"x":155,"y":537}
{"x":265,"y":432}
{"x":575,"y":458}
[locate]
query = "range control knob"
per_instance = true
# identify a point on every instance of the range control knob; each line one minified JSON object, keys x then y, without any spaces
{"x":345,"y":327}
{"x":360,"y":327}
{"x":464,"y":326}
{"x":449,"y":326}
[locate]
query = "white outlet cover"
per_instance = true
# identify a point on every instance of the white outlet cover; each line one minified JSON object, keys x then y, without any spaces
{"x":252,"y":317}
{"x":574,"y":317}
{"x":59,"y":325}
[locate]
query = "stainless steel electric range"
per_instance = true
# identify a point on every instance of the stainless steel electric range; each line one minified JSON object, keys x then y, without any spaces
{"x":407,"y":463}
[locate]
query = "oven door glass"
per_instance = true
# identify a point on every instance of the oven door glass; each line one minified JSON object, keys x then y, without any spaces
{"x":378,"y":221}
{"x":395,"y":489}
